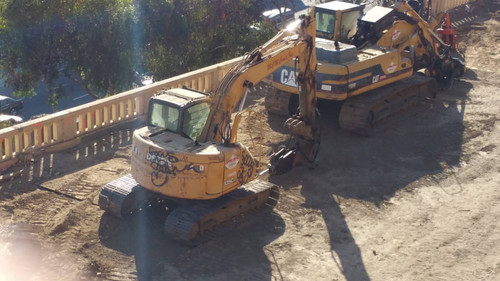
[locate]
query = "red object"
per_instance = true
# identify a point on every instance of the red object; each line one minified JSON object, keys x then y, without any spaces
{"x":447,"y":33}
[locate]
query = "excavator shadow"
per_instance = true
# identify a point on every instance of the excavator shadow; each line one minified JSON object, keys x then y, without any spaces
{"x":159,"y":257}
{"x":373,"y":169}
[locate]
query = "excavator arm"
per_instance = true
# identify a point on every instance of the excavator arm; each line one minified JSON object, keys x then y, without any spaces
{"x":411,"y":31}
{"x":296,"y":41}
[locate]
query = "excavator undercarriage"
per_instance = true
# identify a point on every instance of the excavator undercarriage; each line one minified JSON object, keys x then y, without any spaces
{"x":369,"y":113}
{"x":189,"y":221}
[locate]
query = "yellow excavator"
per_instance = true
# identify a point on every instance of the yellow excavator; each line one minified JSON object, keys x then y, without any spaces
{"x":187,"y":159}
{"x":369,"y":61}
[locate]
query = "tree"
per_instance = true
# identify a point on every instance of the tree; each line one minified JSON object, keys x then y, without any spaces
{"x":88,"y":41}
{"x":104,"y":45}
{"x":197,"y":33}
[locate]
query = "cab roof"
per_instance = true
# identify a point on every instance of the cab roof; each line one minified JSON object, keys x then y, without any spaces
{"x":337,"y":6}
{"x":181,"y":97}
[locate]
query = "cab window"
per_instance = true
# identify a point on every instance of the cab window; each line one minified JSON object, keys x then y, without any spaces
{"x":194,"y":120}
{"x":348,"y":24}
{"x":165,"y":116}
{"x":325,"y":23}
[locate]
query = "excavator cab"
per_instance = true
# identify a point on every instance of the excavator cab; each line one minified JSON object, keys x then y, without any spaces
{"x":167,"y":156}
{"x":337,"y":21}
{"x":185,"y":115}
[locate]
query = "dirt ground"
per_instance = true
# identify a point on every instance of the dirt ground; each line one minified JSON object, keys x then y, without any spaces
{"x":415,"y":202}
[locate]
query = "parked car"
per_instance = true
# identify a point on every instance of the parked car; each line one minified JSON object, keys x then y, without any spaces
{"x":9,"y":120}
{"x":10,"y":105}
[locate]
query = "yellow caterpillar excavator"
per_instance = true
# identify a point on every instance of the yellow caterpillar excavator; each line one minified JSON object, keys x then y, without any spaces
{"x":368,"y":61}
{"x":187,"y":158}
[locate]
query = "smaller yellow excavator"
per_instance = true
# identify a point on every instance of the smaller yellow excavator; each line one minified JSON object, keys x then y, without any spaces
{"x":187,"y":159}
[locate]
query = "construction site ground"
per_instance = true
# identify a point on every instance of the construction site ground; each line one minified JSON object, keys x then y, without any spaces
{"x":418,"y":201}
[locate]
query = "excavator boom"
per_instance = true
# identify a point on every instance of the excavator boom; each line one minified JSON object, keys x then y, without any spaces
{"x":260,"y":63}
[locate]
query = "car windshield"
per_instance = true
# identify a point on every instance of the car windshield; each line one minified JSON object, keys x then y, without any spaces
{"x":194,"y":120}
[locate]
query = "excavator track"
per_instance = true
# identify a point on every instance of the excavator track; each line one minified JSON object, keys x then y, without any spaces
{"x":124,"y":196}
{"x":189,"y":221}
{"x":113,"y":195}
{"x":196,"y":220}
{"x":369,"y":113}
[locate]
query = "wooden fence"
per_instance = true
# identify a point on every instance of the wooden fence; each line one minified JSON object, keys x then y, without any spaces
{"x":445,"y":5}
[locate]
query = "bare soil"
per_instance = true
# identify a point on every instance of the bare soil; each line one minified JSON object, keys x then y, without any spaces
{"x":419,"y":201}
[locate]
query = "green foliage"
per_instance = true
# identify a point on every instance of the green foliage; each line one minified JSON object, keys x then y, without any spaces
{"x":104,"y":44}
{"x":89,"y":41}
{"x":200,"y":33}
{"x":101,"y":42}
{"x":5,"y":124}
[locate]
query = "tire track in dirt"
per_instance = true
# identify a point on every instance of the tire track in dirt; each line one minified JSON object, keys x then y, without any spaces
{"x":39,"y":208}
{"x":119,"y":274}
{"x":79,"y":236}
{"x":62,"y":208}
{"x":245,"y":247}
